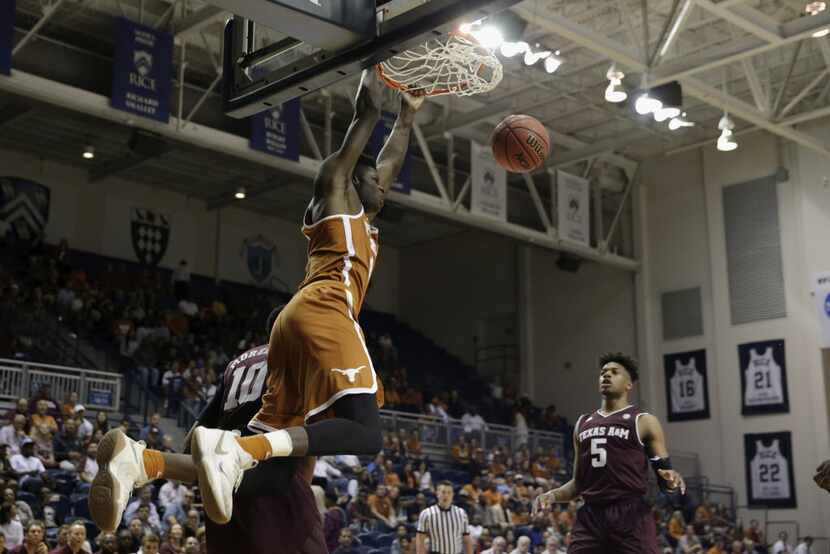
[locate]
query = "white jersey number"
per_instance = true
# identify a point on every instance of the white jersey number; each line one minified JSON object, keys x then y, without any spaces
{"x":599,"y":455}
{"x":247,"y":384}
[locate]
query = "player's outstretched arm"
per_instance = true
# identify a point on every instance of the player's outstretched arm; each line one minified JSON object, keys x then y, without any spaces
{"x":567,"y":492}
{"x":392,"y":155}
{"x":651,"y":432}
{"x":366,"y":115}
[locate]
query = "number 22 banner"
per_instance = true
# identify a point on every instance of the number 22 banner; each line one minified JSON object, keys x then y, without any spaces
{"x":763,"y":367}
{"x":687,"y":385}
{"x":769,"y":470}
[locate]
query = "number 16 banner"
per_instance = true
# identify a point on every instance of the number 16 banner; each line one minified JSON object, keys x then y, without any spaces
{"x":687,"y":385}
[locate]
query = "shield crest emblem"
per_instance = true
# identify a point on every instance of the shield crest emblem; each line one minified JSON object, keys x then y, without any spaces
{"x":260,"y":256}
{"x":143,"y":61}
{"x":150,"y":234}
{"x":24,"y":208}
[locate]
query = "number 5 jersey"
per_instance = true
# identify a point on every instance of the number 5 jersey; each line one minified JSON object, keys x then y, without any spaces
{"x":613,"y":464}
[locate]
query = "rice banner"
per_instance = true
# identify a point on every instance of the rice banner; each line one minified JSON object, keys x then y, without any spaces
{"x":488,"y":184}
{"x":574,"y":207}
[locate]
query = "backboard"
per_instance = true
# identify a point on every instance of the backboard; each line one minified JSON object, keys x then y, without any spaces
{"x":277,"y":50}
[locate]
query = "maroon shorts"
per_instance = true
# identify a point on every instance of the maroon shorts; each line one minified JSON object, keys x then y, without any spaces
{"x":621,"y":528}
{"x":287,"y":522}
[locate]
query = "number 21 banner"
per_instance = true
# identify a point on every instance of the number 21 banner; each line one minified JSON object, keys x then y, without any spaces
{"x":763,"y":367}
{"x":687,"y":385}
{"x":769,"y":470}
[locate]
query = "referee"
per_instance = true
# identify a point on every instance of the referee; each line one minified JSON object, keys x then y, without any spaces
{"x":446,"y":526}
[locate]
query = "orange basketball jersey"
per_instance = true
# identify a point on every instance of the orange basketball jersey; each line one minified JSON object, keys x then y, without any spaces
{"x":317,"y":353}
{"x":342,"y":248}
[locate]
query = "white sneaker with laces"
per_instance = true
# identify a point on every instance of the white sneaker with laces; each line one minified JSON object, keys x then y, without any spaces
{"x":220,"y":463}
{"x":120,"y":470}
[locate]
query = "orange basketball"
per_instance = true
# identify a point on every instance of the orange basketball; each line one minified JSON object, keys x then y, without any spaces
{"x":520,"y":143}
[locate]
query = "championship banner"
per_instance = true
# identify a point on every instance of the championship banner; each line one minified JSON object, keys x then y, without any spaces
{"x":821,"y":293}
{"x":763,"y":367}
{"x":574,"y":205}
{"x":24,"y":208}
{"x":142,"y":70}
{"x":769,"y":470}
{"x":403,"y":183}
{"x":6,"y":35}
{"x":687,"y":385}
{"x":488,"y":183}
{"x":277,"y":131}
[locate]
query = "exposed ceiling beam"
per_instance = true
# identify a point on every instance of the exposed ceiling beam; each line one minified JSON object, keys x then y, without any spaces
{"x":746,"y":18}
{"x":197,"y":20}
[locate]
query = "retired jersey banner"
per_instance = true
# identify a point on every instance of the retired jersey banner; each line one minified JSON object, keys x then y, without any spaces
{"x":488,"y":183}
{"x":142,"y":70}
{"x":687,"y":386}
{"x":821,"y":293}
{"x":763,"y":377}
{"x":6,"y":35}
{"x":403,"y":182}
{"x":24,"y":208}
{"x":574,"y":207}
{"x":277,"y":131}
{"x":769,"y":470}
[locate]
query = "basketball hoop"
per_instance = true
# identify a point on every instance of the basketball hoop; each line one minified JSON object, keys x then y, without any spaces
{"x":456,"y":64}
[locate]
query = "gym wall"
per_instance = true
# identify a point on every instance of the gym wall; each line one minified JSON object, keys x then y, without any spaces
{"x":684,"y":244}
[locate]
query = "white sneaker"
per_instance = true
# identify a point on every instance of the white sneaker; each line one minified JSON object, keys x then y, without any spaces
{"x":120,"y":470}
{"x":220,"y":463}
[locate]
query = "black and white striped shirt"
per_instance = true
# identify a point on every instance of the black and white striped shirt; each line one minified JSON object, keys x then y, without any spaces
{"x":445,"y":528}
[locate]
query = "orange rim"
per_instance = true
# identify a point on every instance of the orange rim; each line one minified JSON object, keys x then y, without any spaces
{"x":436,"y":92}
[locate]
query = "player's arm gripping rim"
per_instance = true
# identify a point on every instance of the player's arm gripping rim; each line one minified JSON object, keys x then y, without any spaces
{"x":335,"y":174}
{"x":565,"y":493}
{"x":393,"y":154}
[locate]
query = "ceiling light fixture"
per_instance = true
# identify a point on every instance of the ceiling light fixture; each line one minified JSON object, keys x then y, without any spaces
{"x":726,"y":140}
{"x":815,"y":8}
{"x":679,"y":122}
{"x":615,"y":77}
{"x":510,"y":49}
{"x":666,"y":112}
{"x":552,"y":63}
{"x":533,"y":57}
{"x":645,"y":104}
{"x":240,"y":193}
{"x":89,"y":152}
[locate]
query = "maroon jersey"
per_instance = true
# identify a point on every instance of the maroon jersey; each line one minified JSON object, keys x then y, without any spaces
{"x":613,"y":464}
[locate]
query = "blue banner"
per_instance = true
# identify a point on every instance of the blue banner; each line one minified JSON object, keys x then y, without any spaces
{"x":6,"y":35}
{"x":277,"y":131}
{"x":384,"y":128}
{"x":142,"y":70}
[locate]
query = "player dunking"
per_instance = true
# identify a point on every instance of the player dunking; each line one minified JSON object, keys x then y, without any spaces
{"x":322,"y":394}
{"x":612,"y":448}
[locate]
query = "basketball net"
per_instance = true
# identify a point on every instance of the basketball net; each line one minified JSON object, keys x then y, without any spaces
{"x":456,"y":64}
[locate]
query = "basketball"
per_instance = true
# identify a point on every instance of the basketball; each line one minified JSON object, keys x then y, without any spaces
{"x":520,"y":143}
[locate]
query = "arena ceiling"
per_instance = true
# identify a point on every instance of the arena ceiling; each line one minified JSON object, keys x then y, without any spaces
{"x":755,"y":58}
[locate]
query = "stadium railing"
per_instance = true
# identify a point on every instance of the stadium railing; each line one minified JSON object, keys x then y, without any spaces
{"x":436,"y":431}
{"x":98,"y":390}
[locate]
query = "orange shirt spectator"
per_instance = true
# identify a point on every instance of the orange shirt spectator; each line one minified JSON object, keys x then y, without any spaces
{"x":413,"y":444}
{"x":42,"y":418}
{"x":492,"y":497}
{"x":461,"y":453}
{"x":473,"y":490}
{"x":392,"y":479}
{"x":381,"y":504}
{"x":391,"y":396}
{"x":520,"y":518}
{"x":497,"y":469}
{"x":676,"y":527}
{"x":539,"y":470}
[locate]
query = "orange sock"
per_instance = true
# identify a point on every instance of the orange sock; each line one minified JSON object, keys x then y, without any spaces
{"x":153,"y":463}
{"x":257,"y":446}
